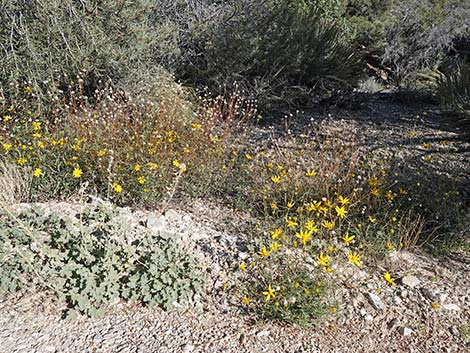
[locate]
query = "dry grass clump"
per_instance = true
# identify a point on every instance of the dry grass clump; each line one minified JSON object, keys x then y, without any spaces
{"x":15,"y":183}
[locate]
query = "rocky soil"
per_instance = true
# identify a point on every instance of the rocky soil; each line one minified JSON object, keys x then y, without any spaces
{"x":427,"y":311}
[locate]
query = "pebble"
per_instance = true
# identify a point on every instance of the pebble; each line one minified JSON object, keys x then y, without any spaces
{"x":263,"y":333}
{"x":455,"y":331}
{"x":432,"y":295}
{"x":156,"y":222}
{"x":451,"y":307}
{"x":410,"y":281}
{"x":405,"y":331}
{"x":375,"y":301}
{"x":187,"y":348}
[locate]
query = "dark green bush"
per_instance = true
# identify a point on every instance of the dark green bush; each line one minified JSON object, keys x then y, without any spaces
{"x":48,"y":42}
{"x":421,"y":34}
{"x":453,"y":91}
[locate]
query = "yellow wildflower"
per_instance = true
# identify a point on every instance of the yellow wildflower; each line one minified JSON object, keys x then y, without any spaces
{"x":21,"y":161}
{"x":372,"y":220}
{"x":246,"y":300}
{"x":38,"y":172}
{"x":77,"y":173}
{"x":269,"y":293}
{"x":264,"y":252}
{"x":276,"y":179}
{"x":141,"y":180}
{"x":291,"y":222}
{"x":328,"y":224}
{"x":7,"y":146}
{"x":348,"y":238}
{"x":274,"y":246}
{"x":117,"y":187}
{"x":389,"y":279}
{"x":324,"y":260}
{"x":354,"y":258}
{"x":36,"y":125}
{"x":304,"y":236}
{"x":343,"y":200}
{"x":311,"y":173}
{"x":242,"y":266}
{"x":311,"y":226}
{"x":276,"y":233}
{"x":341,"y":212}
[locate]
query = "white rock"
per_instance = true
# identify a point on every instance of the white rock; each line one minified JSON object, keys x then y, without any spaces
{"x":375,"y":301}
{"x":172,"y":216}
{"x":410,"y":281}
{"x":188,"y":348}
{"x":369,"y":318}
{"x":263,"y":333}
{"x":156,"y":222}
{"x":405,"y":331}
{"x":243,"y":255}
{"x":451,"y":307}
{"x":397,"y":300}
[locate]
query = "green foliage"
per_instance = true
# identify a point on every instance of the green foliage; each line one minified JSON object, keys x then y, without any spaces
{"x":87,"y":262}
{"x":368,"y":19}
{"x":294,"y":43}
{"x":420,"y":35}
{"x":48,"y":42}
{"x":454,"y":89}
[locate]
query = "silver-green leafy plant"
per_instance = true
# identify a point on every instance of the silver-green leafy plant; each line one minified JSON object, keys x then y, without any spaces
{"x":86,"y":261}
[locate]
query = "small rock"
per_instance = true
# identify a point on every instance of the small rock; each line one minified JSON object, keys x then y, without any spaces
{"x":451,"y":307}
{"x":432,"y":295}
{"x":405,"y":331}
{"x":172,"y":216}
{"x":375,"y":301}
{"x":410,"y":281}
{"x":455,"y":331}
{"x":404,"y":293}
{"x":187,"y":348}
{"x":263,"y":333}
{"x":98,"y":338}
{"x":397,"y":300}
{"x":392,"y":323}
{"x":369,"y":317}
{"x":156,"y":222}
{"x":243,"y":255}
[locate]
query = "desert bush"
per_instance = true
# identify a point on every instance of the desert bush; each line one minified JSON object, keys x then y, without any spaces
{"x":453,"y":90}
{"x":47,"y":42}
{"x":93,"y":259}
{"x":420,"y":35}
{"x":267,"y":47}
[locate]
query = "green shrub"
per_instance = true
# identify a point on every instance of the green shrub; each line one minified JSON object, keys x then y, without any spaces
{"x":420,"y":35}
{"x":93,"y":259}
{"x":47,"y":43}
{"x":454,"y":89}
